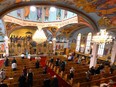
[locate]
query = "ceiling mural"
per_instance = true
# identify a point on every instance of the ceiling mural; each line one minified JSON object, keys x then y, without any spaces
{"x":104,"y":9}
{"x":41,"y":14}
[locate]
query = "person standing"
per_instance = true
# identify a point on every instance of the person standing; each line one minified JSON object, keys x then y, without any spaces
{"x":25,"y":71}
{"x":14,"y":60}
{"x":6,"y":62}
{"x":37,"y":64}
{"x":46,"y":82}
{"x":22,"y":81}
{"x":54,"y":82}
{"x":30,"y":78}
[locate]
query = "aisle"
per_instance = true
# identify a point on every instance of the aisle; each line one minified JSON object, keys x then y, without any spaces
{"x":62,"y":83}
{"x":1,"y":63}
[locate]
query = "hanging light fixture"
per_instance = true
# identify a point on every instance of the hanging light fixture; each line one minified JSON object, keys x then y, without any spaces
{"x":102,"y":37}
{"x":39,"y":36}
{"x":52,"y":9}
{"x":33,"y":8}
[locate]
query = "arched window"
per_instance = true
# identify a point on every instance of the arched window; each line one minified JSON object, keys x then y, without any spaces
{"x":88,"y":43}
{"x":78,"y":42}
{"x":101,"y":49}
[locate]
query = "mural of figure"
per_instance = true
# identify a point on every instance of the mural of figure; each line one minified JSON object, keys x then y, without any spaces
{"x":17,"y":1}
{"x":46,"y":13}
{"x":39,"y":13}
{"x":19,"y":12}
{"x":26,"y":12}
{"x":58,"y":14}
{"x":11,"y":38}
{"x":65,"y":14}
{"x":2,"y":49}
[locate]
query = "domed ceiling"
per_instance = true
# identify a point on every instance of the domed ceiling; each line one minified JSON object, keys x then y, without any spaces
{"x":44,"y":14}
{"x":41,"y":14}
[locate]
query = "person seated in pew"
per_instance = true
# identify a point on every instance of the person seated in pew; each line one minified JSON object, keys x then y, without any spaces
{"x":112,"y":68}
{"x":57,"y":62}
{"x":70,"y":57}
{"x":79,"y":60}
{"x":2,"y":74}
{"x":6,"y":62}
{"x":88,"y":75}
{"x":62,"y":66}
{"x":111,"y":83}
{"x":71,"y":75}
{"x":52,"y":60}
{"x":14,"y":66}
{"x":97,"y":70}
{"x":37,"y":64}
{"x":3,"y":84}
{"x":92,"y":70}
{"x":14,"y":60}
{"x":72,"y":69}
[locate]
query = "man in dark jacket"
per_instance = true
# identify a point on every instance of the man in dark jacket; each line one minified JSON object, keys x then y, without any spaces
{"x":37,"y":64}
{"x":46,"y":82}
{"x":54,"y":82}
{"x":3,"y":85}
{"x":22,"y":81}
{"x":6,"y":62}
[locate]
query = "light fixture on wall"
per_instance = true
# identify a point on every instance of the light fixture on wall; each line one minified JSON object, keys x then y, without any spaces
{"x":39,"y":36}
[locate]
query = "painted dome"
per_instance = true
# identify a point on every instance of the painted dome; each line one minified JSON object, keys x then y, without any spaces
{"x":41,"y":14}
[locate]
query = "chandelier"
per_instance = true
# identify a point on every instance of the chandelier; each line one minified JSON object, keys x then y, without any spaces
{"x":39,"y":36}
{"x":102,"y":37}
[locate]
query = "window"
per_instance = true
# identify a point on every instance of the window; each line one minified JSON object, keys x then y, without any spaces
{"x":101,"y":49}
{"x":88,"y":43}
{"x":78,"y":42}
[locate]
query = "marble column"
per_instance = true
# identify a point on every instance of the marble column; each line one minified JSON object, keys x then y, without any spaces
{"x":6,"y":45}
{"x":54,"y":45}
{"x":113,"y":53}
{"x":93,"y":59}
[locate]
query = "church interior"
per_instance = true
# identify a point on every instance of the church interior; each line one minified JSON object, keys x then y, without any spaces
{"x":62,"y":43}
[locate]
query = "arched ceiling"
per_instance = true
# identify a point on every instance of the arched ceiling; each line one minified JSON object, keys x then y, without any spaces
{"x":61,"y":4}
{"x":91,"y":10}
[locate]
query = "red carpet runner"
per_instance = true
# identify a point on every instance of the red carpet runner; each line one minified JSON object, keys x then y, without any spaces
{"x":1,"y":63}
{"x":62,"y":83}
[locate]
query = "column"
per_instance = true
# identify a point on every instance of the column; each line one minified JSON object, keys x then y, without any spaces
{"x":93,"y":59}
{"x":6,"y":46}
{"x":54,"y":45}
{"x":67,"y":44}
{"x":113,"y":53}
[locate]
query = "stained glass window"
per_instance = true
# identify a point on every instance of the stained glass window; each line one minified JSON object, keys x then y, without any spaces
{"x":78,"y":42}
{"x":101,"y":49}
{"x":88,"y":43}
